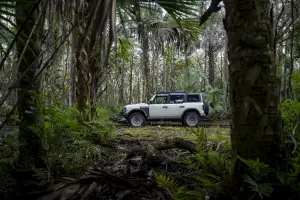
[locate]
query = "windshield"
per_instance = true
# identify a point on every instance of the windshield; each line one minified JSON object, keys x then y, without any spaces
{"x":152,"y":98}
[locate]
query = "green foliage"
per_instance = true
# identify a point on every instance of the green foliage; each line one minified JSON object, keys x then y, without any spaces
{"x":210,"y":167}
{"x":257,"y":178}
{"x":8,"y":157}
{"x":125,"y":49}
{"x":295,"y":169}
{"x":290,"y":110}
{"x":214,"y":96}
{"x":262,"y":180}
{"x":217,"y":106}
{"x":5,"y":108}
{"x":295,"y":81}
{"x":176,"y":191}
{"x":71,"y":142}
{"x":297,"y":40}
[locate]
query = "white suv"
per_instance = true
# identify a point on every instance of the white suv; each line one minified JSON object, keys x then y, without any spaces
{"x":168,"y":106}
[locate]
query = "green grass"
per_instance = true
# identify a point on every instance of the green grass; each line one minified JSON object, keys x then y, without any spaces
{"x":160,"y":133}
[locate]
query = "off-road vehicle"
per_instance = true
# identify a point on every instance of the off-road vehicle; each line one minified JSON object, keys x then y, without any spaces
{"x":168,"y":106}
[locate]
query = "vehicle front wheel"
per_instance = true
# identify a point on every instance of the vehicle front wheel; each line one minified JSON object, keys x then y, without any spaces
{"x":137,"y":119}
{"x":191,"y":119}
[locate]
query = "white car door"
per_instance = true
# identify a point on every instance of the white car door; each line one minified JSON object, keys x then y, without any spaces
{"x":158,"y":108}
{"x":175,"y":107}
{"x":174,"y":111}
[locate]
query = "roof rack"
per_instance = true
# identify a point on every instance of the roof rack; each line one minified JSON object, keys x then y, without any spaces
{"x":179,"y":93}
{"x":171,"y":92}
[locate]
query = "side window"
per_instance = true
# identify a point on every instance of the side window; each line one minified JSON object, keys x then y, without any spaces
{"x":176,"y":99}
{"x":160,"y":100}
{"x":193,"y":98}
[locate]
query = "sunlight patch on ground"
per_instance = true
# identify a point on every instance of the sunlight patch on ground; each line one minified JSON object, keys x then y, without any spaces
{"x":160,"y":133}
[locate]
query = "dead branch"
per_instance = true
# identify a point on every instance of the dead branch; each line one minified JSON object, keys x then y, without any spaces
{"x":212,"y":8}
{"x":178,"y":143}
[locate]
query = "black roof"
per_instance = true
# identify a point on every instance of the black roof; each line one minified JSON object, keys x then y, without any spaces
{"x":174,"y":93}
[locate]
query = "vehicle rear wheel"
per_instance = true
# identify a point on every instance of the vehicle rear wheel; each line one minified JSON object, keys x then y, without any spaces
{"x":191,"y":119}
{"x":137,"y":119}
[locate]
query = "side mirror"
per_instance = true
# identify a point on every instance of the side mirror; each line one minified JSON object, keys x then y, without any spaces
{"x":150,"y":102}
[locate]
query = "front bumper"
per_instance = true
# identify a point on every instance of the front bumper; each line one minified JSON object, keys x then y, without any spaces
{"x":124,"y":114}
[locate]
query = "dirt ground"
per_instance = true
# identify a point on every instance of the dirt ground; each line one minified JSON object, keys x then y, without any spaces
{"x":136,"y":157}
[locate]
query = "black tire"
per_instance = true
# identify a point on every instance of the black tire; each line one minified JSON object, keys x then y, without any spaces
{"x":137,"y":119}
{"x":206,"y":107}
{"x":191,"y":119}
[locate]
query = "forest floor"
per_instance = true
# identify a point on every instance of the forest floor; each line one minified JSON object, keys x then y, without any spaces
{"x":155,"y":136}
{"x":136,"y":157}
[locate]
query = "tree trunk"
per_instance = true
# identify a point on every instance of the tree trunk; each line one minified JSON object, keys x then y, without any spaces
{"x":205,"y":67}
{"x":71,"y":74}
{"x":31,"y":150}
{"x":145,"y":47}
{"x":211,"y":64}
{"x":83,"y":81}
{"x":131,"y":79}
{"x":139,"y":85}
{"x":186,"y":80}
{"x":122,"y":86}
{"x":255,"y":131}
{"x":173,"y":69}
{"x":225,"y":81}
{"x":291,"y":70}
{"x":163,"y":54}
{"x":82,"y":65}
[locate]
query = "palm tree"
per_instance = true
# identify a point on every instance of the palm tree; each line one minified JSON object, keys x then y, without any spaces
{"x":254,"y":86}
{"x":31,"y":150}
{"x":86,"y":67}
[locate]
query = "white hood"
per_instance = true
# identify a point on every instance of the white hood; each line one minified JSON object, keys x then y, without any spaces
{"x":137,"y":105}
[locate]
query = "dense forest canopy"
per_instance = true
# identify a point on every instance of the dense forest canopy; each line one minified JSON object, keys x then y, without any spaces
{"x":68,"y":67}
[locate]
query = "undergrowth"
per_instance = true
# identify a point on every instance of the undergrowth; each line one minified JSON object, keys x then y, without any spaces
{"x":212,"y":167}
{"x":72,"y":144}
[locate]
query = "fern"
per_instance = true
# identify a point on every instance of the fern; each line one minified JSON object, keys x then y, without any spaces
{"x":176,"y":191}
{"x":8,"y":157}
{"x":257,"y":168}
{"x":262,"y":189}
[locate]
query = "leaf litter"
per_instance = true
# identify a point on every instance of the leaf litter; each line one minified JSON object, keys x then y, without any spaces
{"x":145,"y":152}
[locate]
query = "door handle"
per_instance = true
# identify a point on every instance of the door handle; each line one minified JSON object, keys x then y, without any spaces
{"x":165,"y":106}
{"x":181,"y":106}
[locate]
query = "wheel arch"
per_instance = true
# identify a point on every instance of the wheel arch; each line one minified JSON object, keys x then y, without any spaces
{"x":138,"y":111}
{"x":190,"y":110}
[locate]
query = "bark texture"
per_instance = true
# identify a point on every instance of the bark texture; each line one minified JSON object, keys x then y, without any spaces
{"x":31,"y":150}
{"x":83,"y":81}
{"x":211,"y":63}
{"x":254,"y":87}
{"x":145,"y":47}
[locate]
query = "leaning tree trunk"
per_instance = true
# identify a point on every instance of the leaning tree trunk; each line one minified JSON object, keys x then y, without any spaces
{"x":254,"y":86}
{"x":31,"y":150}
